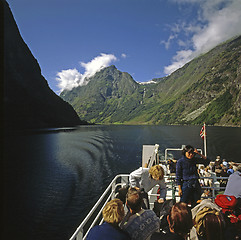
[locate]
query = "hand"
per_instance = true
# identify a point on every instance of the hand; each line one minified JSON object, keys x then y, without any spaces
{"x":180,"y":192}
{"x":196,"y":151}
{"x":160,"y":200}
{"x":202,"y":156}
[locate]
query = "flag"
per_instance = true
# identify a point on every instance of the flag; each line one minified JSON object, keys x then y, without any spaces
{"x":203,"y":132}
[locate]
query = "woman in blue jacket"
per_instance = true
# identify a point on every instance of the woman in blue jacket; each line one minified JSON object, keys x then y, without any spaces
{"x":187,"y":176}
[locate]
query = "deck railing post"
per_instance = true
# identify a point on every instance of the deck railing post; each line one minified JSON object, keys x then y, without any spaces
{"x":173,"y":189}
{"x":80,"y":234}
{"x":214,"y":180}
{"x":113,"y":189}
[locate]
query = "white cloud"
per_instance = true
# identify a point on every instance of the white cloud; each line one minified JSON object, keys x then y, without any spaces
{"x":123,"y":55}
{"x":68,"y":79}
{"x":71,"y":78}
{"x":179,"y":60}
{"x":168,"y":42}
{"x":219,"y":20}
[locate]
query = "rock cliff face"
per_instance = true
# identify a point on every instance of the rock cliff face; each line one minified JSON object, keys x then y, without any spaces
{"x":28,"y":100}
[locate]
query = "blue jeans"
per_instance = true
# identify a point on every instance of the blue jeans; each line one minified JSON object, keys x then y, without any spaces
{"x":191,"y":192}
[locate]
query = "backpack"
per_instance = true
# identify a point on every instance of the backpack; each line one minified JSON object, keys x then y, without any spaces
{"x":225,"y":201}
{"x":229,"y":205}
{"x":162,"y":210}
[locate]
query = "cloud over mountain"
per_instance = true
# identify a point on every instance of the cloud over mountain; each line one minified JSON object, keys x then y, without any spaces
{"x":218,"y":21}
{"x":71,"y":78}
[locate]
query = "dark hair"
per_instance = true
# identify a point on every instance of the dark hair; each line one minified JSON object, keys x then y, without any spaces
{"x":180,"y":218}
{"x":214,"y":225}
{"x":187,"y":148}
{"x":134,"y":199}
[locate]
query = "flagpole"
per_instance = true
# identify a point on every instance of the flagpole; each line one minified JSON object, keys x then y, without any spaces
{"x":205,"y":141}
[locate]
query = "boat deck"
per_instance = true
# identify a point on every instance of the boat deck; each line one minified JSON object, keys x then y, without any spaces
{"x":150,"y":157}
{"x":95,"y":215}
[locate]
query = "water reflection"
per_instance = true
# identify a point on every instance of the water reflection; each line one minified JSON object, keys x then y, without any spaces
{"x":54,"y":176}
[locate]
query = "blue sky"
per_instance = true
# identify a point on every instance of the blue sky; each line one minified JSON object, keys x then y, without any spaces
{"x":72,"y":39}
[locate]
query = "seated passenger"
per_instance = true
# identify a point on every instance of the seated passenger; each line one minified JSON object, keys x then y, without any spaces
{"x":145,"y":179}
{"x":207,"y":181}
{"x":179,"y":221}
{"x":223,"y":182}
{"x":113,"y":213}
{"x":225,"y":163}
{"x":213,"y":227}
{"x":230,"y":170}
{"x":234,"y":182}
{"x":209,"y":223}
{"x":139,"y":223}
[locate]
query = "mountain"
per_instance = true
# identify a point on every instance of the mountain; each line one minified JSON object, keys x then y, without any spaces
{"x":108,"y":97}
{"x":28,"y":100}
{"x":205,"y":89}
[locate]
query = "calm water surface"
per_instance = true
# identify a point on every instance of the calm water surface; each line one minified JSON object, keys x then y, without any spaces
{"x":54,"y":176}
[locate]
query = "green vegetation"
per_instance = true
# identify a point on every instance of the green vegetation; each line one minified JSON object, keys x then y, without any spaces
{"x":207,"y":89}
{"x":216,"y":110}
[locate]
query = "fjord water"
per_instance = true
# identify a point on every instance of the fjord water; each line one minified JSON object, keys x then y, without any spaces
{"x":54,"y":176}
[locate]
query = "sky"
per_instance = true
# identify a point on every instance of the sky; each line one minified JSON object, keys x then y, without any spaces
{"x":73,"y":39}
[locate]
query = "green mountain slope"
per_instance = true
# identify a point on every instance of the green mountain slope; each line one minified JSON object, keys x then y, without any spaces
{"x":106,"y":98}
{"x":205,"y":89}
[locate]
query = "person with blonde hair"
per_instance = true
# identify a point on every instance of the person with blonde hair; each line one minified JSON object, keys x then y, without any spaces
{"x":113,"y":213}
{"x":145,"y":179}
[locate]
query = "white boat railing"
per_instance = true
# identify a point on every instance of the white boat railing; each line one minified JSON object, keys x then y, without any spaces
{"x":109,"y":193}
{"x":94,"y":217}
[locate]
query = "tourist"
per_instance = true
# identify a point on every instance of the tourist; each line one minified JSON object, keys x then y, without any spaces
{"x":209,"y":223}
{"x":113,"y":214}
{"x":230,"y":170}
{"x":223,"y":182}
{"x":218,"y":160}
{"x":235,"y":166}
{"x":145,"y":179}
{"x":225,"y":163}
{"x":187,"y":176}
{"x":212,"y":166}
{"x":208,"y":180}
{"x":233,"y":187}
{"x":201,"y":171}
{"x":139,"y":223}
{"x":179,"y":223}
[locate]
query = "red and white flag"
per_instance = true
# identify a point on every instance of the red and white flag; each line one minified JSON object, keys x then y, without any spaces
{"x":203,"y":132}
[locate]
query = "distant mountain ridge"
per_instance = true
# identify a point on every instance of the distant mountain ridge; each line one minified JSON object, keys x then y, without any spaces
{"x":205,"y":89}
{"x":28,"y":100}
